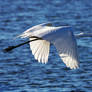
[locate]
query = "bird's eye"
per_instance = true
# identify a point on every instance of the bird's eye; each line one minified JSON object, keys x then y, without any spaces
{"x":49,"y":24}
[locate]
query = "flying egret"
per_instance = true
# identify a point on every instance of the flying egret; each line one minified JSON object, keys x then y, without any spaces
{"x":62,"y":37}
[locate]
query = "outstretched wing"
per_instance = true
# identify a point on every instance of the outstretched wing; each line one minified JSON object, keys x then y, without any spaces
{"x":28,"y":32}
{"x":65,"y":43}
{"x":40,"y":50}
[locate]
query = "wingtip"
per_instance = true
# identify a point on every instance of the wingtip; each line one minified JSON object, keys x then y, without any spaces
{"x":76,"y":66}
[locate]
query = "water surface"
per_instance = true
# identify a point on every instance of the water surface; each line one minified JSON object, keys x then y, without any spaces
{"x":19,"y":71}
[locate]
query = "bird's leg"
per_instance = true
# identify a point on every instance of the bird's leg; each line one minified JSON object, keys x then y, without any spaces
{"x":13,"y":47}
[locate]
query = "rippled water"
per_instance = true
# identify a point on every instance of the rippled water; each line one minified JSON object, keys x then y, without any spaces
{"x":19,"y":71}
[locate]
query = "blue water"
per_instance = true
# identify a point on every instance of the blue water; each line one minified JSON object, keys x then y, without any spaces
{"x":19,"y":71}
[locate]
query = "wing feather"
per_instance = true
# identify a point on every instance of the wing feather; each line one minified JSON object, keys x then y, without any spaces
{"x":65,"y":43}
{"x":40,"y":50}
{"x":42,"y":55}
{"x":47,"y":53}
{"x":35,"y":46}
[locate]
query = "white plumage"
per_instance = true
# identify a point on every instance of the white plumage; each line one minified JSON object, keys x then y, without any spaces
{"x":40,"y":50}
{"x":63,"y":39}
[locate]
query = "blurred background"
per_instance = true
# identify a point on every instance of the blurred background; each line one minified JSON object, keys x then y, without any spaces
{"x":19,"y":71}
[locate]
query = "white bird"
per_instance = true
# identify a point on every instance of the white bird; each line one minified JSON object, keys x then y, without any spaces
{"x":40,"y":37}
{"x":61,"y":37}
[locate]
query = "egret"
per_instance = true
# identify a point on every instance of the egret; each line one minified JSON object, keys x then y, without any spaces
{"x":62,"y":37}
